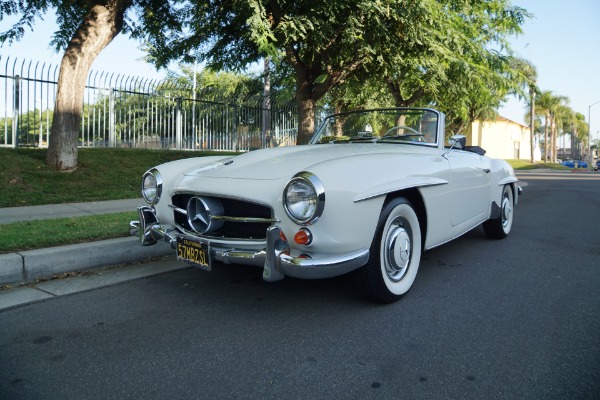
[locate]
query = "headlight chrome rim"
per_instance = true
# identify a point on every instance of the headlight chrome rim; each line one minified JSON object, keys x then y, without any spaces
{"x":152,"y":193}
{"x":315,"y":184}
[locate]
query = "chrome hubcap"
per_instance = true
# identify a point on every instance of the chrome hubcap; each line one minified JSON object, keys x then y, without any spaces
{"x":397,"y":250}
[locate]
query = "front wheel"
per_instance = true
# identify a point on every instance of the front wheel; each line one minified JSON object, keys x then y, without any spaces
{"x":499,"y":228}
{"x":395,"y":253}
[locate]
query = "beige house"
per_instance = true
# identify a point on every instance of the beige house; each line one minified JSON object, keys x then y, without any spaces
{"x":501,"y":138}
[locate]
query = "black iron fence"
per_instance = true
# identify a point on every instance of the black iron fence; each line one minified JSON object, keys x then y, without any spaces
{"x":127,"y":111}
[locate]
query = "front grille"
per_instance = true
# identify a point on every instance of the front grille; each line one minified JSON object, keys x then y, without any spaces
{"x":231,"y":208}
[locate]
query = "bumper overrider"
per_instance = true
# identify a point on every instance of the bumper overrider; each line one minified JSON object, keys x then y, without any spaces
{"x":275,"y":257}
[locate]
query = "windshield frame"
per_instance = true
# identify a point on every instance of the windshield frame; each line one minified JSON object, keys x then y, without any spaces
{"x":407,"y":111}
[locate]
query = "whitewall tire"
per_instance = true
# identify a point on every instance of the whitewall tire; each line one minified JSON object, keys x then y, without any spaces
{"x":395,"y":253}
{"x":499,"y":228}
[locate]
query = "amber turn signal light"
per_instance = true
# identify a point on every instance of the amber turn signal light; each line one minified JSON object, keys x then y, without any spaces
{"x":303,"y":237}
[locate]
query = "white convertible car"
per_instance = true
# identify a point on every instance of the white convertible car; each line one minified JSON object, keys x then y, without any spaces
{"x":370,"y":193}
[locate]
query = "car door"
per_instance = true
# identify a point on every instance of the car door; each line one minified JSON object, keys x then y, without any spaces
{"x":469,"y":189}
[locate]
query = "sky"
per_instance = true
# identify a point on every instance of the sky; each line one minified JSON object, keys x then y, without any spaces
{"x":562,"y":40}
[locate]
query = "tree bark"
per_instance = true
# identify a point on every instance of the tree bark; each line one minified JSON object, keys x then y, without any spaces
{"x":306,"y":116}
{"x":546,"y":137}
{"x":553,"y":140}
{"x":99,"y":27}
{"x":532,"y":123}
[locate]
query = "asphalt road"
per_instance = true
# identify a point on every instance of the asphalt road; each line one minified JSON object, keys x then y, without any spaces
{"x":510,"y":319}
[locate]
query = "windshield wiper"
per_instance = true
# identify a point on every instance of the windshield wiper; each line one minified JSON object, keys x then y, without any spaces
{"x":404,"y":137}
{"x":354,"y":139}
{"x":401,"y":137}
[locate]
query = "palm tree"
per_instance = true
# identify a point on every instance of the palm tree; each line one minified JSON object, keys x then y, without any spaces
{"x":558,"y":110}
{"x":527,"y":74}
{"x":577,"y":127}
{"x":548,"y":105}
{"x":564,"y":125}
{"x":544,"y":100}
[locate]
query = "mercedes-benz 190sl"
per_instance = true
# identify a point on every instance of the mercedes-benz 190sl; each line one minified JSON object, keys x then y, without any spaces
{"x":370,"y":192}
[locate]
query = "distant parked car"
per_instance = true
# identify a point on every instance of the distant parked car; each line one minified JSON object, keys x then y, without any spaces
{"x":370,"y":198}
{"x":574,"y":164}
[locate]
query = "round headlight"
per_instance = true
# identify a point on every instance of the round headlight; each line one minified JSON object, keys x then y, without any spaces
{"x":304,"y":198}
{"x":152,"y":186}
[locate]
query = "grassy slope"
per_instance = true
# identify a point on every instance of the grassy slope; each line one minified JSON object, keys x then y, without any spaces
{"x":102,"y":174}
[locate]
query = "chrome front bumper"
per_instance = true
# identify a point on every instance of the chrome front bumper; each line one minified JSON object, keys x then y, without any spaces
{"x":275,"y":258}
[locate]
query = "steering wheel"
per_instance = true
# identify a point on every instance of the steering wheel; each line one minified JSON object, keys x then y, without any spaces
{"x":412,"y":132}
{"x":408,"y":128}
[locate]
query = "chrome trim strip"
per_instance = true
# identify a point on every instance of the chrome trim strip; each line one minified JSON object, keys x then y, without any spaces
{"x":422,"y":182}
{"x":244,"y":219}
{"x":217,"y":239}
{"x":177,"y":209}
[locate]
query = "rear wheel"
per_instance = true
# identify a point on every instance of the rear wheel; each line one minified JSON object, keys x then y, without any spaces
{"x":500,"y":227}
{"x":395,"y":253}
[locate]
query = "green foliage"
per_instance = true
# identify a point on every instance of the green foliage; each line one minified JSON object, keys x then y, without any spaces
{"x":450,"y":54}
{"x":33,"y":126}
{"x":215,"y":86}
{"x":154,"y":20}
{"x":29,"y":11}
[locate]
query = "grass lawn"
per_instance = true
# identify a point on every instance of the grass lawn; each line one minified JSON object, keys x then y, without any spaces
{"x":526,"y":165}
{"x":102,"y":174}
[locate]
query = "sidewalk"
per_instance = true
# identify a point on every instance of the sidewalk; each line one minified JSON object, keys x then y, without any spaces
{"x":31,"y":265}
{"x":16,"y":214}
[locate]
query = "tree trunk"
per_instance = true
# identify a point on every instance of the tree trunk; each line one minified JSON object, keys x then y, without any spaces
{"x":546,"y":138}
{"x":532,"y":124}
{"x":306,"y":109}
{"x":553,"y":133}
{"x":99,"y":27}
{"x":306,"y":126}
{"x":267,"y":140}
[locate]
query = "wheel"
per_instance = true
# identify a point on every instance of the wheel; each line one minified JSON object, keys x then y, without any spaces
{"x":395,"y":253}
{"x":499,"y":228}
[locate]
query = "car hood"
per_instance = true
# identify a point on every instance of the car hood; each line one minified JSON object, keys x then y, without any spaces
{"x":286,"y":161}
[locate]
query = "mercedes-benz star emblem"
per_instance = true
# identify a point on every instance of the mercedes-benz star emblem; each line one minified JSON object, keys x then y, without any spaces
{"x":200,"y":211}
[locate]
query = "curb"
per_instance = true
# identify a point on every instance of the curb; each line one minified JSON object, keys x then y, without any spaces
{"x":28,"y":266}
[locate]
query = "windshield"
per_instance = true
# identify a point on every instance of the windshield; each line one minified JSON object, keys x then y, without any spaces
{"x":412,"y":125}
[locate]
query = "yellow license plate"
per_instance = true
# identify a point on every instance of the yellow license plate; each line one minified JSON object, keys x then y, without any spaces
{"x":193,"y":251}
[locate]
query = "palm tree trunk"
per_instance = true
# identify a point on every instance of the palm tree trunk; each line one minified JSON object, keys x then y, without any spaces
{"x":554,"y":140}
{"x":532,"y":123}
{"x":546,"y":138}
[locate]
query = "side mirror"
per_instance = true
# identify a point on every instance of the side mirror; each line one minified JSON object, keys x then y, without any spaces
{"x":458,"y":142}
